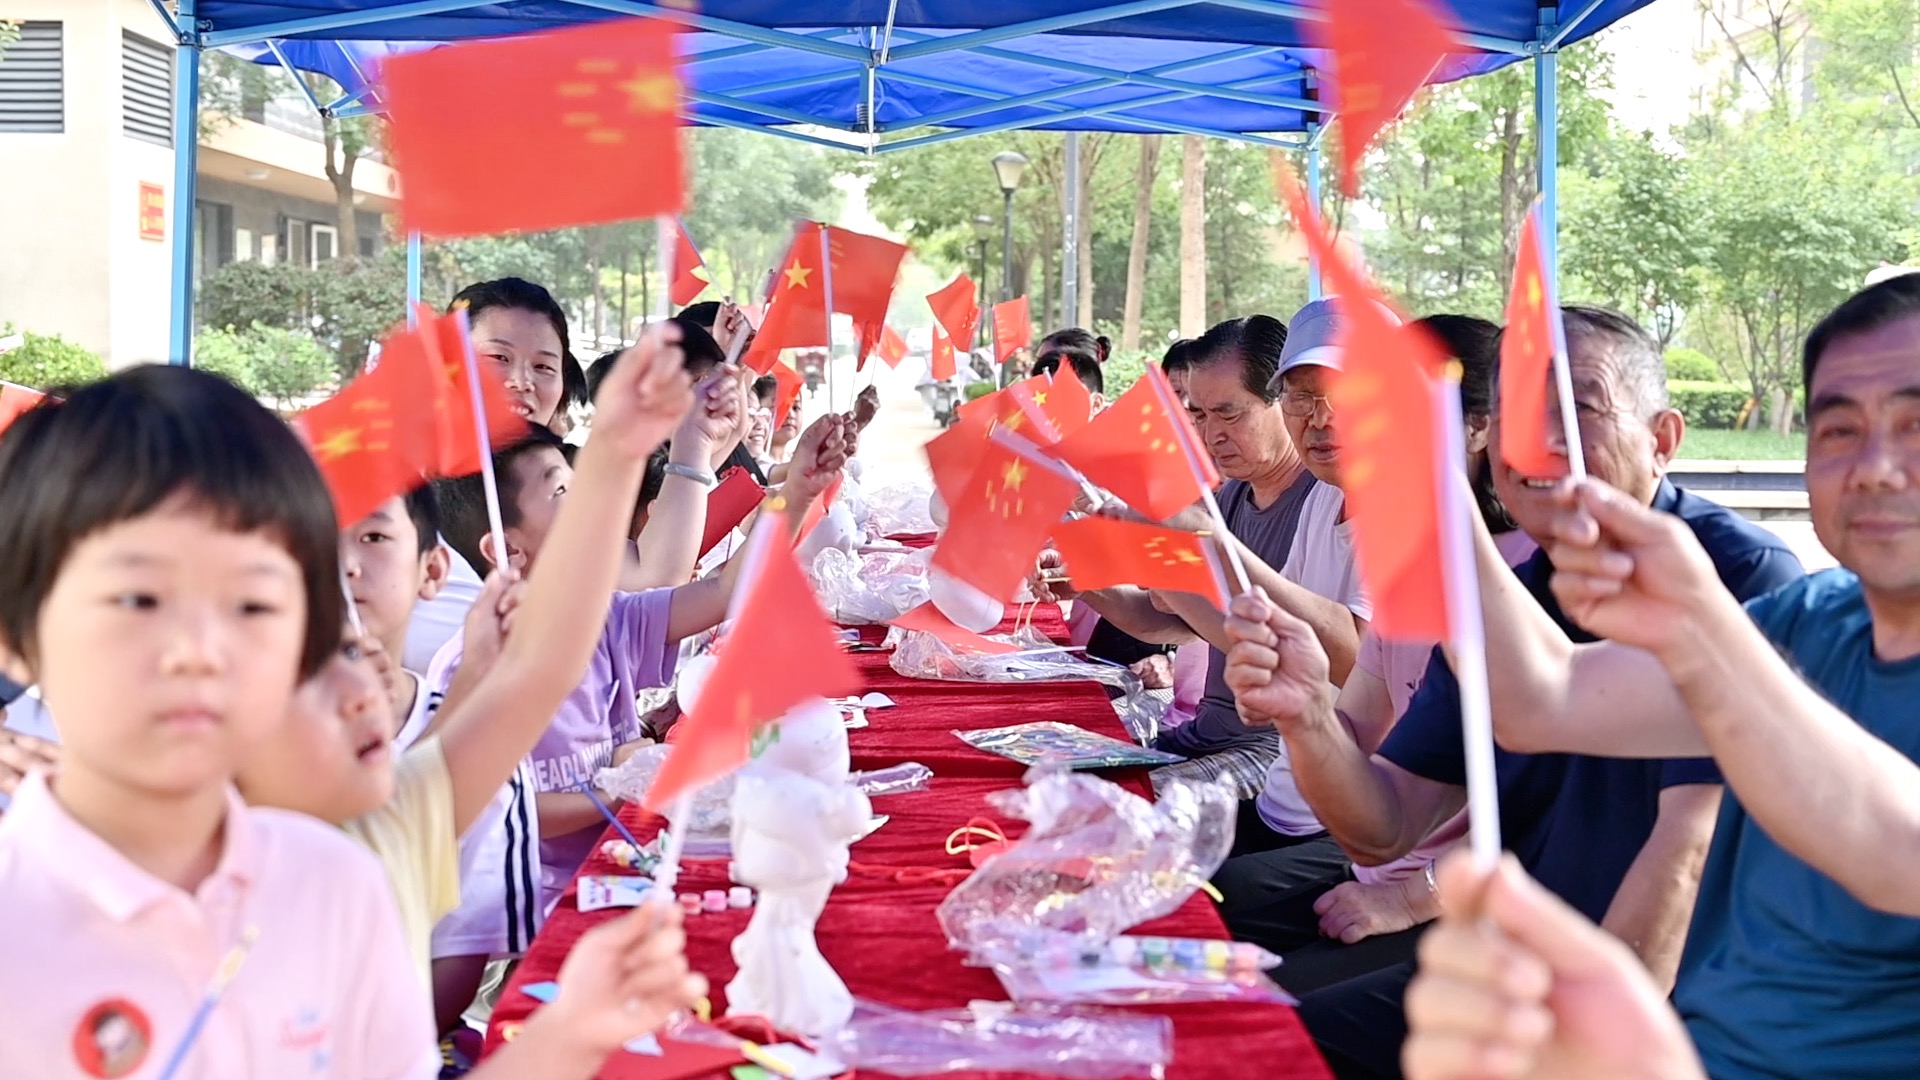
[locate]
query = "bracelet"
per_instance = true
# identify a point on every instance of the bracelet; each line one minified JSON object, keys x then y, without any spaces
{"x":1433,"y":887}
{"x":703,"y":477}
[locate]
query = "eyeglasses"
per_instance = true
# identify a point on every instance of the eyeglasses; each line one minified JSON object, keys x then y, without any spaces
{"x":1300,"y":405}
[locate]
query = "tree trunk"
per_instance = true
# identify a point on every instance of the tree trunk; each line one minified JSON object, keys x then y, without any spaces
{"x":1083,"y":235}
{"x":1137,"y":255}
{"x":1193,"y":236}
{"x":340,"y":175}
{"x":626,"y":262}
{"x":646,"y":286}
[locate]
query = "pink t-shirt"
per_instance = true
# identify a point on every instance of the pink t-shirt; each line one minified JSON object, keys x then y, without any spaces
{"x":1401,"y":665}
{"x":104,"y":965}
{"x":1189,"y":683}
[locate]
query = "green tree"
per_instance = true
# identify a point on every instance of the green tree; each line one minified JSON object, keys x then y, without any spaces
{"x":1635,"y":236}
{"x":748,"y":191}
{"x":287,"y":365}
{"x":228,"y":353}
{"x":9,"y":33}
{"x":355,"y":304}
{"x":243,"y":293}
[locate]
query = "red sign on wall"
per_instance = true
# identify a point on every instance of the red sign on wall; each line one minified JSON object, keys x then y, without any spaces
{"x":153,"y":212}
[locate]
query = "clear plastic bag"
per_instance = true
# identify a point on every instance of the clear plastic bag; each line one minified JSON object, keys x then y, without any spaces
{"x":1081,"y":1044}
{"x":872,"y":588}
{"x":630,"y":780}
{"x":901,"y":779}
{"x":899,"y":509}
{"x":1098,"y":861}
{"x":919,"y":655}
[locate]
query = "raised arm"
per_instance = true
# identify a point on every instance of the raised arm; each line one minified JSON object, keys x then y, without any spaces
{"x":1278,"y":674}
{"x":1654,"y":904}
{"x":821,"y":454}
{"x":669,"y":546}
{"x":1334,"y":625}
{"x":1853,"y":799}
{"x":561,"y":617}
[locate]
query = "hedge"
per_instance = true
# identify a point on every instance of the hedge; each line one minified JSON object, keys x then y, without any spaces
{"x":1708,"y":404}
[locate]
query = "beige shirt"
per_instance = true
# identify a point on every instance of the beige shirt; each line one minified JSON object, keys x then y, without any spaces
{"x":414,"y":838}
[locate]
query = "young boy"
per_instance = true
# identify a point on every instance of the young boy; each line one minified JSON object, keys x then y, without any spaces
{"x":168,"y":574}
{"x":334,"y":761}
{"x":500,"y":903}
{"x":393,"y":560}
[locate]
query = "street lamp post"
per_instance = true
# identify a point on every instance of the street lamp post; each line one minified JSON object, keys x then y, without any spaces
{"x":1008,"y":167}
{"x":982,"y":234}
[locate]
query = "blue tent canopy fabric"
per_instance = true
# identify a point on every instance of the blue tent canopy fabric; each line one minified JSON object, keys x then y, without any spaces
{"x":889,"y":75}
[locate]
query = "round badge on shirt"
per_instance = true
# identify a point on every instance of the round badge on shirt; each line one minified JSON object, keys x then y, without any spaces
{"x":112,"y":1039}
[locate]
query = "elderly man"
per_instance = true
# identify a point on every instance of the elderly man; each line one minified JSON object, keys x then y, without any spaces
{"x":1619,"y":840}
{"x":1804,"y":955}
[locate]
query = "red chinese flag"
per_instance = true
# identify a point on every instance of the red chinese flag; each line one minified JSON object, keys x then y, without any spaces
{"x":953,"y":454}
{"x":787,"y":393}
{"x":1382,"y":53}
{"x":1066,"y":401}
{"x":687,"y":285}
{"x":797,"y":311}
{"x":15,"y":401}
{"x":1022,"y":409}
{"x":372,"y":440}
{"x":928,"y":620}
{"x":1012,"y":328}
{"x":893,"y":347}
{"x":956,"y":312}
{"x":1527,"y":350}
{"x":864,"y":269}
{"x":592,"y":114}
{"x":1101,"y":553}
{"x":728,"y":505}
{"x":781,"y":652}
{"x":450,"y":351}
{"x":1144,"y":449}
{"x":941,"y":365}
{"x":1000,"y":519}
{"x":1392,"y":475}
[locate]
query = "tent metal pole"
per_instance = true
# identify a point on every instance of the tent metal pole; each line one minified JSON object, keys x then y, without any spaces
{"x":1070,"y":255}
{"x":1560,"y":33}
{"x":1313,"y":199}
{"x":186,"y":161}
{"x":1546,"y":125}
{"x":166,"y":16}
{"x":413,"y":276}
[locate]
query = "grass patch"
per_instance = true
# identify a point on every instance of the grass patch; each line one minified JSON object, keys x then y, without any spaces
{"x":1715,"y":444}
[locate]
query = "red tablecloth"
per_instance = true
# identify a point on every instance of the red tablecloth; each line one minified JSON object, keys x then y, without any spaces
{"x":880,"y":933}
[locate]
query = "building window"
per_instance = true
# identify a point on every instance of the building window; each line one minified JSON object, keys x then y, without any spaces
{"x":146,"y":89}
{"x":325,"y":244}
{"x":32,"y":90}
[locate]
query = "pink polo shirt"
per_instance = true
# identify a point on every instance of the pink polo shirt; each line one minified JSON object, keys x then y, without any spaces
{"x":102,"y":965}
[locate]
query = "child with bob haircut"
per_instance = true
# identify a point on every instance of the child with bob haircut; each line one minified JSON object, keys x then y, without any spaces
{"x":169,"y":573}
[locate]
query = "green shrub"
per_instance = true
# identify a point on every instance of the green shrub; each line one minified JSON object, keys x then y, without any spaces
{"x":266,"y":361}
{"x":978,"y":390}
{"x":1692,"y":365}
{"x":244,"y":293}
{"x":1123,"y":369}
{"x":228,"y":353}
{"x":48,"y":362}
{"x":1707,"y":404}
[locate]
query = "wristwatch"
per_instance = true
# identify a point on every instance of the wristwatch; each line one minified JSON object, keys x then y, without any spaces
{"x":703,"y":477}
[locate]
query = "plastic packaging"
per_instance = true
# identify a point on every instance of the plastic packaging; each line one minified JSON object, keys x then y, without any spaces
{"x":872,"y":588}
{"x":1081,"y":1044}
{"x":899,"y":509}
{"x":920,"y":655}
{"x":1098,"y":861}
{"x":1144,"y":971}
{"x":1054,"y":744}
{"x":630,"y":780}
{"x":901,"y":779}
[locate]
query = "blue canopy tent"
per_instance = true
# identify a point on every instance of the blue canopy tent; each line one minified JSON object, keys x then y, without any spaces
{"x":893,"y":74}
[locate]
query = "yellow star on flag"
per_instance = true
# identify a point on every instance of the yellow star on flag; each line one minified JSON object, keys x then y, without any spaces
{"x":797,"y":275}
{"x":651,"y":91}
{"x":339,"y":444}
{"x":1039,"y":397}
{"x":1014,"y":475}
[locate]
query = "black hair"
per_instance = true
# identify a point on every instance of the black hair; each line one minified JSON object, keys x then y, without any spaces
{"x":573,"y":383}
{"x":705,"y":314}
{"x":119,"y":448}
{"x":1864,"y":312}
{"x":1643,"y":364}
{"x":703,"y":353}
{"x":1085,"y":365}
{"x":1179,"y":356}
{"x":1072,"y":337}
{"x":1105,"y":344}
{"x":463,"y":499}
{"x":1475,"y":343}
{"x":597,"y":374}
{"x":766,"y":388}
{"x":424,"y":509}
{"x":651,"y":482}
{"x":1255,"y":341}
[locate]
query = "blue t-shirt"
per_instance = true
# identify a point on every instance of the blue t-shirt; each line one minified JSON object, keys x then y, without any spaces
{"x":1577,"y":822}
{"x":1785,"y":974}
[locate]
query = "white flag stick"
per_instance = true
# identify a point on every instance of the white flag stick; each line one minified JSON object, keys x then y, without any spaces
{"x":1461,"y":581}
{"x":481,"y":434}
{"x":826,"y":285}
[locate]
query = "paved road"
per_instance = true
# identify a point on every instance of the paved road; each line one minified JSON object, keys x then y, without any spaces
{"x":891,"y":447}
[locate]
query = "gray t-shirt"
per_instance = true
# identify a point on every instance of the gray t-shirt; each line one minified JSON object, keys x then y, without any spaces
{"x":1269,"y":534}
